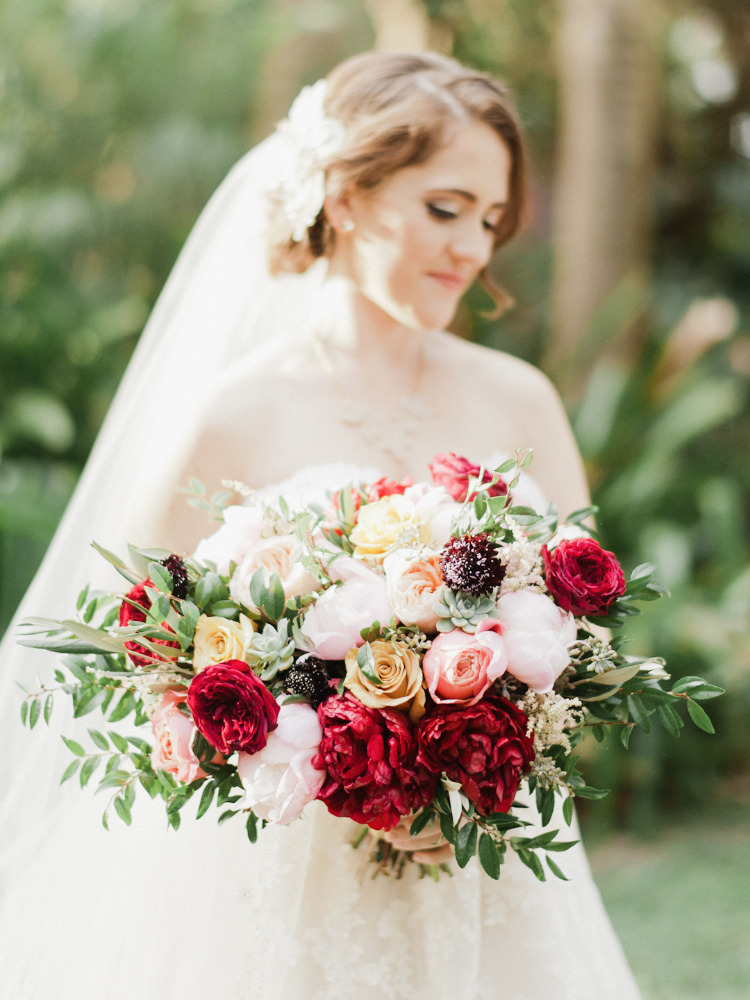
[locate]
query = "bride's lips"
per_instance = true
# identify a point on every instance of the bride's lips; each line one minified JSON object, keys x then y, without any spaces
{"x":453,"y":282}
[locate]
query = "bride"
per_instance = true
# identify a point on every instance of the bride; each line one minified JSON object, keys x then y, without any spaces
{"x":300,"y":342}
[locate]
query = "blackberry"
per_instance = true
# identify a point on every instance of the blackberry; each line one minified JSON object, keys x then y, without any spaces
{"x":179,"y":575}
{"x":308,"y":677}
{"x":471,"y":564}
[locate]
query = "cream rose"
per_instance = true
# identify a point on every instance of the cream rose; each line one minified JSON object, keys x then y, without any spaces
{"x":217,"y":640}
{"x":414,"y":584}
{"x":382,"y":525}
{"x":399,"y":679}
{"x":280,"y":554}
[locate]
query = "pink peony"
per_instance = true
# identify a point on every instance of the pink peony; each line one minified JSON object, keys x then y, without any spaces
{"x":173,"y":739}
{"x":332,"y":625}
{"x":453,"y":473}
{"x":537,"y":635}
{"x":459,"y":667}
{"x":484,"y":747}
{"x":369,"y":756}
{"x":232,"y":707}
{"x":280,"y":779}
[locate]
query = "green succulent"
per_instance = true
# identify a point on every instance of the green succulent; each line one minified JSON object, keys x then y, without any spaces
{"x":457,"y":609}
{"x":271,"y":650}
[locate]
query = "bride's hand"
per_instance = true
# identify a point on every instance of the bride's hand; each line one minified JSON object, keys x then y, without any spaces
{"x":428,"y":847}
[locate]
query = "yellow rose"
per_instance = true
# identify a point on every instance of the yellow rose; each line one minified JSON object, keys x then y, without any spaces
{"x":218,"y":639}
{"x":399,"y":673}
{"x":386,"y":523}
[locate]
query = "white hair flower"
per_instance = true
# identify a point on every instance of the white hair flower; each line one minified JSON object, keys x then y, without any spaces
{"x":310,"y":138}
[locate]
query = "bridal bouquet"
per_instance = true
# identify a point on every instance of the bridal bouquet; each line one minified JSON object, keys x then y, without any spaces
{"x":407,"y":653}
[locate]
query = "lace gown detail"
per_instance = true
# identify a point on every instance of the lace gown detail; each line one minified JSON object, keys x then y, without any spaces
{"x":144,"y":912}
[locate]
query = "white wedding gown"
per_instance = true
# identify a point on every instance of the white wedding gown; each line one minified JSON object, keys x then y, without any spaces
{"x":149,"y":913}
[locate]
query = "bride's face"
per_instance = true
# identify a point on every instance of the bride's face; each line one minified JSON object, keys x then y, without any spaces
{"x":423,"y":235}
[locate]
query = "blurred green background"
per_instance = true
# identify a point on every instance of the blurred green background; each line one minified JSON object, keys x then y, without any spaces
{"x":118,"y":118}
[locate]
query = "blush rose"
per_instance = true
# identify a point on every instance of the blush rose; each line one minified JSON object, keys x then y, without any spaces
{"x":173,"y":739}
{"x":460,"y":667}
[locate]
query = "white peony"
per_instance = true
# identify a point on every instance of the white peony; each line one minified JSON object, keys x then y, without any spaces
{"x":537,"y":634}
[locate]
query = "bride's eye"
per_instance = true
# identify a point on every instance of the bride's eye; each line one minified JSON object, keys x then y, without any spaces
{"x":440,"y":213}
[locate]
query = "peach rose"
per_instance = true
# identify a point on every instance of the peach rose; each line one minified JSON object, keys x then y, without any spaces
{"x":399,"y":678}
{"x":414,"y":584}
{"x":386,"y":523}
{"x":459,"y":666}
{"x":217,"y":640}
{"x":279,"y":554}
{"x":173,"y":739}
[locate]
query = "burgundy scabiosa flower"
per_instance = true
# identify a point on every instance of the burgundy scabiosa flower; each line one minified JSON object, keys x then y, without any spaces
{"x":471,"y":564}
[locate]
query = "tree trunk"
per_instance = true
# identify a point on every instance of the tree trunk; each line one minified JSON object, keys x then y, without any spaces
{"x":602,"y":212}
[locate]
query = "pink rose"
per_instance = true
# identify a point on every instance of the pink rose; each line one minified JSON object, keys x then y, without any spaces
{"x":332,"y":625}
{"x":537,"y":635}
{"x":414,"y":584}
{"x":173,"y":739}
{"x":459,"y":667}
{"x":280,"y":779}
{"x":454,"y":472}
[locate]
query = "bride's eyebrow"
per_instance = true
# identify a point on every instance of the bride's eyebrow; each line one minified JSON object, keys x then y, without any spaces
{"x":467,"y":196}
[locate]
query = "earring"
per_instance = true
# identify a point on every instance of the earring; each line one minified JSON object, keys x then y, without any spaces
{"x":347,"y":226}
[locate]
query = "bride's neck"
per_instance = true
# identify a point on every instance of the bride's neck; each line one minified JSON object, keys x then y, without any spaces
{"x":351,"y":325}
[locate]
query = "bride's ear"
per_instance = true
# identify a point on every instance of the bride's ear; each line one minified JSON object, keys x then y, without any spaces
{"x":338,"y":209}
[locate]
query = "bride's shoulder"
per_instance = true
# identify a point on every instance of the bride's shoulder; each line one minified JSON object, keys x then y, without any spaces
{"x":494,"y":371}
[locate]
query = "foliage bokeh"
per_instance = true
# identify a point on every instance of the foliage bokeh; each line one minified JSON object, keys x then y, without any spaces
{"x":120,"y":118}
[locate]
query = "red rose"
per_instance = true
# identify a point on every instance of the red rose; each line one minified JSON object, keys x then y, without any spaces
{"x":369,"y":758}
{"x":232,"y":707}
{"x":453,"y":473}
{"x":134,"y":609}
{"x":385,"y":487}
{"x":483,"y":746}
{"x":583,"y":577}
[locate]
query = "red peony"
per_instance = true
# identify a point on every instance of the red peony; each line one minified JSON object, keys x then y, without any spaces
{"x":369,"y":756}
{"x":232,"y":707}
{"x":483,"y":746}
{"x":453,"y":473}
{"x":583,"y":577}
{"x":134,"y":609}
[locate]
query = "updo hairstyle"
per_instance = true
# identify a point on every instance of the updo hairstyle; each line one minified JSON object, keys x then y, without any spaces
{"x":398,"y":109}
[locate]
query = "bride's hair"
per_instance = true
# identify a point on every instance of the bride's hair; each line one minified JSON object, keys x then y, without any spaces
{"x":397,"y":109}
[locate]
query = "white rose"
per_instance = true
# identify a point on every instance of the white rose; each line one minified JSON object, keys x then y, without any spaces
{"x":280,"y":554}
{"x":537,"y":634}
{"x":243,"y":528}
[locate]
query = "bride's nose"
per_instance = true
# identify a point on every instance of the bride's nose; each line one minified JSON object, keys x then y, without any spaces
{"x":472,"y":244}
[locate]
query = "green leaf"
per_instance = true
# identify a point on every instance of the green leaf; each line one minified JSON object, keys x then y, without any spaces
{"x":366,"y":663}
{"x":24,"y":712}
{"x":531,"y":860}
{"x":489,"y":857}
{"x":34,"y":713}
{"x":466,"y":844}
{"x":70,"y":770}
{"x":556,"y":870}
{"x":670,"y":719}
{"x":420,"y":821}
{"x":252,"y":827}
{"x":638,"y":713}
{"x":123,"y":811}
{"x":568,"y":810}
{"x":48,"y":706}
{"x":118,"y":564}
{"x":74,"y":747}
{"x":697,"y":688}
{"x":99,"y":739}
{"x":123,"y":708}
{"x":119,"y":742}
{"x":700,"y":718}
{"x":206,"y":799}
{"x":625,"y":733}
{"x":87,"y":769}
{"x":447,"y":828}
{"x":160,"y":577}
{"x":588,"y":792}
